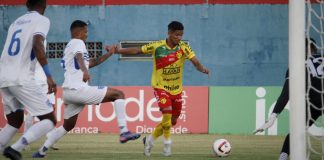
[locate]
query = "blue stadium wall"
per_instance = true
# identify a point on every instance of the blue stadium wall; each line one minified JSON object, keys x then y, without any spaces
{"x":243,"y":44}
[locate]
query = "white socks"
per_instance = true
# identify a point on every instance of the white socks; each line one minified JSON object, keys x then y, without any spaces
{"x":28,"y":122}
{"x":167,"y":147}
{"x":6,"y":134}
{"x":150,"y":139}
{"x":283,"y":156}
{"x":120,"y":111}
{"x":50,"y":132}
{"x":167,"y":141}
{"x":54,"y":136}
{"x":35,"y":132}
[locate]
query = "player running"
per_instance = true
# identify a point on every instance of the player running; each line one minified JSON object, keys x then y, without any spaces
{"x":24,"y":46}
{"x":77,"y":92}
{"x":168,"y":62}
{"x":40,"y":79}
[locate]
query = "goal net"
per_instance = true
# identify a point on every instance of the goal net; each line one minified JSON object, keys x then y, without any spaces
{"x":315,"y":78}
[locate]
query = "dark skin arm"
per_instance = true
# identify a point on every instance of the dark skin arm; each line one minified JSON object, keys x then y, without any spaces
{"x":136,"y":50}
{"x":80,"y":60}
{"x":96,"y":61}
{"x":130,"y":50}
{"x":199,"y":66}
{"x":93,"y":62}
{"x":39,"y":50}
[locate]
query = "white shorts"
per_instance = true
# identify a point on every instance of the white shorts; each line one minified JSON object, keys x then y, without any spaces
{"x":51,"y":96}
{"x":29,"y":97}
{"x":76,"y":99}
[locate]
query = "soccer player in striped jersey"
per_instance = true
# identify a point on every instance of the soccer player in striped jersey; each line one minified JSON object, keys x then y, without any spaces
{"x":169,"y":56}
{"x":315,"y":95}
{"x":24,"y":47}
{"x":77,"y":92}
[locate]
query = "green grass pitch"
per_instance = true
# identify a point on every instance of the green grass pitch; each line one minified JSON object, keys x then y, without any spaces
{"x":186,"y":147}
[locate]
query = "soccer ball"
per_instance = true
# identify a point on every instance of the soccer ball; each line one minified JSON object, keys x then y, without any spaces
{"x":221,"y":147}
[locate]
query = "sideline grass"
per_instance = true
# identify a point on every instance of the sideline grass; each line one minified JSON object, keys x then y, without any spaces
{"x":186,"y":147}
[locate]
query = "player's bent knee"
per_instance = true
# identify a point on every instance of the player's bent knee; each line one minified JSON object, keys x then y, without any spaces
{"x":16,"y":119}
{"x":69,"y":124}
{"x":68,"y":127}
{"x":49,"y":116}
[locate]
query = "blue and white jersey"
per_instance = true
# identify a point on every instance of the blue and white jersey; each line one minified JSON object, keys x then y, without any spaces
{"x":17,"y":63}
{"x":73,"y":74}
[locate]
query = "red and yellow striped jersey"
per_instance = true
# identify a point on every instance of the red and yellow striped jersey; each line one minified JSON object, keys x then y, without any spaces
{"x":168,"y":64}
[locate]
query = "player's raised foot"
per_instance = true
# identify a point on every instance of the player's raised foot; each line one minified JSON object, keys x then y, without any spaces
{"x":38,"y":155}
{"x":126,"y":136}
{"x":12,"y":154}
{"x":148,"y":145}
{"x":167,"y":149}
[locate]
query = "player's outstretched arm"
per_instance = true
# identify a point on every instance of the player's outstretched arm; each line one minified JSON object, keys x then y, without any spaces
{"x":96,"y":61}
{"x":199,"y":66}
{"x":283,"y":98}
{"x":280,"y":105}
{"x":130,"y":50}
{"x":39,"y":50}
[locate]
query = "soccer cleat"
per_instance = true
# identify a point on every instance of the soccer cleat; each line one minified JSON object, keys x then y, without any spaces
{"x":126,"y":136}
{"x":12,"y":154}
{"x":167,"y":149}
{"x":148,"y":145}
{"x":38,"y":155}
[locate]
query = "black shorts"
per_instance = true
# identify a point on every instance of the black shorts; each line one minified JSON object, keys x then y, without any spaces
{"x":316,"y":102}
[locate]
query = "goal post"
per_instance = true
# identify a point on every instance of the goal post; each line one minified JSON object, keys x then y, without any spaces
{"x":297,"y":82}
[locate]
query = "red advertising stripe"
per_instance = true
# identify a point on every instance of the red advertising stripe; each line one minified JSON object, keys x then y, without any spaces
{"x":248,"y":1}
{"x":141,"y":110}
{"x":74,"y":2}
{"x":55,"y":2}
{"x":143,"y":2}
{"x":11,"y":2}
{"x":155,"y":2}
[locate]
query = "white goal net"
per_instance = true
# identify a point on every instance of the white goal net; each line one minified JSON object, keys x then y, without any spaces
{"x":315,"y":78}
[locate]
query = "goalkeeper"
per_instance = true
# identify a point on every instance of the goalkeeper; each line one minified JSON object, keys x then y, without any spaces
{"x":315,"y":95}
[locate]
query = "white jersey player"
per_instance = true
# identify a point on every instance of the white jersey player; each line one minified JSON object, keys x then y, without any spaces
{"x":77,"y":92}
{"x":40,"y":79}
{"x":23,"y":47}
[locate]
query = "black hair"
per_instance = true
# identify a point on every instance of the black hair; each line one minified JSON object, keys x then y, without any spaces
{"x":77,"y":24}
{"x":33,"y":3}
{"x":175,"y":25}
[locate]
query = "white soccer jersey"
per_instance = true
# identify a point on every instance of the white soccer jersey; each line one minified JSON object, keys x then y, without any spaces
{"x":40,"y":76}
{"x":73,"y":75}
{"x":17,"y":63}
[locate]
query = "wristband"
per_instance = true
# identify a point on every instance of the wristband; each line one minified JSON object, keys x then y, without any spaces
{"x":46,"y":70}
